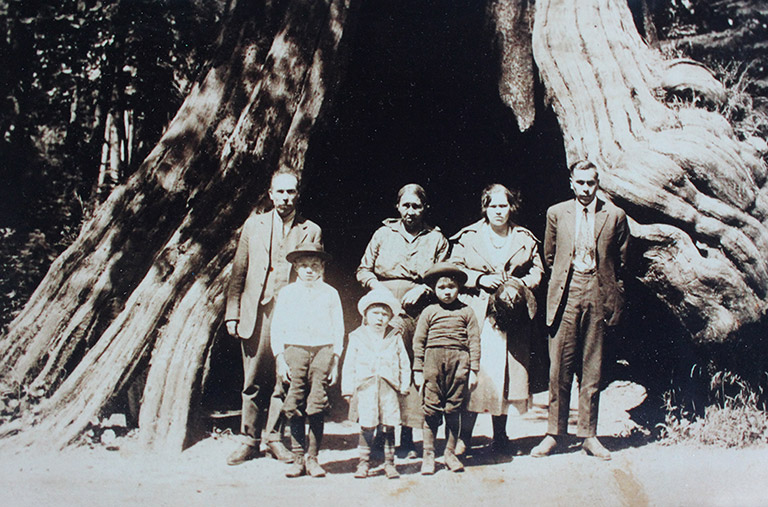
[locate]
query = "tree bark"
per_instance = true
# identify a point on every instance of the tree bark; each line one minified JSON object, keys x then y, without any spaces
{"x":695,"y":192}
{"x":144,"y":281}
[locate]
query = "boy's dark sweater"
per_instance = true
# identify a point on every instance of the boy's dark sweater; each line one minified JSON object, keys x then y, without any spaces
{"x":449,"y":326}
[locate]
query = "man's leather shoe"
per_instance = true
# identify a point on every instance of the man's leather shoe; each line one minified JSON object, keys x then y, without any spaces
{"x":593,"y":447}
{"x":545,"y":447}
{"x":242,"y":454}
{"x":279,"y":451}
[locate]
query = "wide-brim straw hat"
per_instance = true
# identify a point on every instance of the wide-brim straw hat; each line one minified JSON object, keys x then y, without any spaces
{"x":445,"y":269}
{"x":378,"y":297}
{"x":308,"y":249}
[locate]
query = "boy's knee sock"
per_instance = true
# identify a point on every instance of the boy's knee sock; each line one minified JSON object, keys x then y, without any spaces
{"x":406,"y":437}
{"x":452,"y":422}
{"x":431,"y":423}
{"x":365,"y":442}
{"x":298,"y":436}
{"x":316,"y":426}
{"x":389,"y":444}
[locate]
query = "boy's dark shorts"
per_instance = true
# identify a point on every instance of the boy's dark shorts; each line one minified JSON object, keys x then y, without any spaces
{"x":446,"y":376}
{"x":309,"y":368}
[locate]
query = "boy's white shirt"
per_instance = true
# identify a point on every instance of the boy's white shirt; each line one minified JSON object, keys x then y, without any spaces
{"x":309,"y":314}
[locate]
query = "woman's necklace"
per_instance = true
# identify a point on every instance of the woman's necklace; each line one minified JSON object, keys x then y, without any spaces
{"x":494,"y":238}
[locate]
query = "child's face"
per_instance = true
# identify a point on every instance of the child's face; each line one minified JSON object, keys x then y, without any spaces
{"x":446,"y":290}
{"x":309,"y":268}
{"x":378,"y":316}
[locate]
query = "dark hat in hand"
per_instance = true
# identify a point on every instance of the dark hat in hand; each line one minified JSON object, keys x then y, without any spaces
{"x":308,"y":250}
{"x":448,"y":269}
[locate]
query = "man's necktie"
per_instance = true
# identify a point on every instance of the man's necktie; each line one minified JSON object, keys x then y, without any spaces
{"x":585,"y":242}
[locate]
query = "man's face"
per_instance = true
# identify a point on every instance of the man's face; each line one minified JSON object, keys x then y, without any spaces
{"x":283,"y":192}
{"x":446,"y":290}
{"x":584,"y":184}
{"x":309,"y":269}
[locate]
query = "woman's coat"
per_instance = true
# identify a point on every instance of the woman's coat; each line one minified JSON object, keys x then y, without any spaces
{"x":504,"y":357}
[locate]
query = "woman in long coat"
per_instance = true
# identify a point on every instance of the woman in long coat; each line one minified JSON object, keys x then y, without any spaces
{"x":492,"y":252}
{"x":396,"y":258}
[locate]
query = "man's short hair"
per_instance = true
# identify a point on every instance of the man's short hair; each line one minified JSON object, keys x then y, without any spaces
{"x":581,"y":165}
{"x":289,"y":172}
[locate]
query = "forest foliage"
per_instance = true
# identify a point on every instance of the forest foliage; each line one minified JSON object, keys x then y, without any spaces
{"x":67,"y":65}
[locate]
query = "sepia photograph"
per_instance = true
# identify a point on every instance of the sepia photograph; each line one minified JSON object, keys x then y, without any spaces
{"x":384,"y":252}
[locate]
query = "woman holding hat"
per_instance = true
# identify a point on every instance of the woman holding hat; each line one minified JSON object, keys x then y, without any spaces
{"x":499,"y":256}
{"x":376,"y":371}
{"x":396,"y":258}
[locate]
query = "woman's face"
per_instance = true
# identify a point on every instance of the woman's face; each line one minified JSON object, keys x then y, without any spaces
{"x":498,"y":209}
{"x":411,"y":209}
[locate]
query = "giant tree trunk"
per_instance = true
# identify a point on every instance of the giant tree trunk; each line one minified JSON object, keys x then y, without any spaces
{"x":144,"y":281}
{"x":142,"y":287}
{"x":696,"y":194}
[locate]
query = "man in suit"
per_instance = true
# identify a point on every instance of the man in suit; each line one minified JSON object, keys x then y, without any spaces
{"x":259,"y":271}
{"x":585,"y":247}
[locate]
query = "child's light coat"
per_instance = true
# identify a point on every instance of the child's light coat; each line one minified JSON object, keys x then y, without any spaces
{"x":376,"y":370}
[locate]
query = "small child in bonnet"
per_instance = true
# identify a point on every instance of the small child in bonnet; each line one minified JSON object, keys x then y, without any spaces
{"x":376,"y":371}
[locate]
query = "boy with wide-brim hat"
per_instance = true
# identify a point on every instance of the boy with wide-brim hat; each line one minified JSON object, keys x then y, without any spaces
{"x":307,"y":340}
{"x":446,"y":349}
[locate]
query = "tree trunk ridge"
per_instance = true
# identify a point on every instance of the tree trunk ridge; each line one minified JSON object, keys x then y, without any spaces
{"x":695,"y":192}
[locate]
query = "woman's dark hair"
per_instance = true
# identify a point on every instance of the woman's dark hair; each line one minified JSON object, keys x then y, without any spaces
{"x":514,"y":199}
{"x":415,"y":189}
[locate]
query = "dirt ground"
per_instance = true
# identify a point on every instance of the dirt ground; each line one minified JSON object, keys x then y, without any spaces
{"x":639,"y":474}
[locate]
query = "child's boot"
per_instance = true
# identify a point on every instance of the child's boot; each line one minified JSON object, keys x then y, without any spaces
{"x":428,"y":458}
{"x":449,"y":456}
{"x":364,"y":450}
{"x":297,"y":469}
{"x":389,"y":455}
{"x":466,"y":426}
{"x":316,"y":424}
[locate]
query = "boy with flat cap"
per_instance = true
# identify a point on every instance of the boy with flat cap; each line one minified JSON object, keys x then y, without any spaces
{"x":446,"y":349}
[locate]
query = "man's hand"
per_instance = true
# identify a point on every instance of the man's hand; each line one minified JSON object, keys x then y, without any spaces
{"x":418,"y":379}
{"x":490,"y":282}
{"x":333,"y":375}
{"x":412,"y":296}
{"x":472,"y":380}
{"x":232,"y":328}
{"x":283,"y":372}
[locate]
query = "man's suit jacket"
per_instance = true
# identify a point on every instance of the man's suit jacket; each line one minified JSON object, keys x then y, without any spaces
{"x":611,"y":235}
{"x":252,"y":266}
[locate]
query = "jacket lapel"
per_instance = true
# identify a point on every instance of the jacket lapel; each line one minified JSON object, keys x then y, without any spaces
{"x":600,"y":216}
{"x":480,"y":246}
{"x":570,"y":228}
